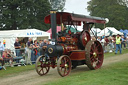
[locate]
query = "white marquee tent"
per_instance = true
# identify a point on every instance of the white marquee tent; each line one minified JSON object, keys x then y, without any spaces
{"x":109,"y":31}
{"x":10,"y":35}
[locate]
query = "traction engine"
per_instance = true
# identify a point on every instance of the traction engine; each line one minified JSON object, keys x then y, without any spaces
{"x":67,"y":49}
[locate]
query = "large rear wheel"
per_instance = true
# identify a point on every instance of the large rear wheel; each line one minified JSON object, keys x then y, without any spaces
{"x":42,"y":65}
{"x":94,"y":54}
{"x":64,"y":65}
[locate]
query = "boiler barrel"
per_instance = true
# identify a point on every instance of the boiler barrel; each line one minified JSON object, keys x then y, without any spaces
{"x":58,"y":50}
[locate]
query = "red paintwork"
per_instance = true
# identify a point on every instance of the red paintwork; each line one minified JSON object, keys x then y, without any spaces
{"x":68,"y":48}
{"x":85,"y":34}
{"x":77,"y":55}
{"x":73,"y":19}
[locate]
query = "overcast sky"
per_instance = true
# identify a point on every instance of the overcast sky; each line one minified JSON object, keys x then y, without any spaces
{"x":76,"y":6}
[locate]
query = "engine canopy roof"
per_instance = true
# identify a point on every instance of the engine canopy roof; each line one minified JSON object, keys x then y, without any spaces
{"x":73,"y":19}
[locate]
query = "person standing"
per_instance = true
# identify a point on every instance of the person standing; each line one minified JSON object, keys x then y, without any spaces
{"x":127,"y":42}
{"x":29,"y":50}
{"x":44,"y":46}
{"x":35,"y":52}
{"x":40,"y":44}
{"x":103,"y":44}
{"x":106,"y":44}
{"x":123,"y":42}
{"x":1,"y":49}
{"x":118,"y":44}
{"x":17,"y":47}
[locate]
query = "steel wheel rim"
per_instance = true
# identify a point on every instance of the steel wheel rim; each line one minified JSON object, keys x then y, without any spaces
{"x":42,"y":66}
{"x":95,"y":55}
{"x":64,"y":65}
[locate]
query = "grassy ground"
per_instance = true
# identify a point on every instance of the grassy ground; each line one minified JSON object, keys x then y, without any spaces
{"x":14,"y":70}
{"x":113,"y":53}
{"x":115,"y":74}
{"x":18,"y":69}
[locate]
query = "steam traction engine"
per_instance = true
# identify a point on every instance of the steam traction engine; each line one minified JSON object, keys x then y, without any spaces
{"x":68,"y":50}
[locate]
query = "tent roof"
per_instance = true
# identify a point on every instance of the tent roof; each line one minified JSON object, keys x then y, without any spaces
{"x":109,"y":31}
{"x":24,"y":33}
{"x":124,"y":31}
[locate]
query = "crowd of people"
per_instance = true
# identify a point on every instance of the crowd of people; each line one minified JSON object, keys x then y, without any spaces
{"x":113,"y":43}
{"x":32,"y":49}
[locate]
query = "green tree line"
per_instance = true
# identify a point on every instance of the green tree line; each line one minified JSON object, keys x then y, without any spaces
{"x":115,"y":10}
{"x":26,"y":14}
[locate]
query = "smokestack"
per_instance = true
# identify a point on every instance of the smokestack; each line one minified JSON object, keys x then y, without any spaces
{"x":53,"y":25}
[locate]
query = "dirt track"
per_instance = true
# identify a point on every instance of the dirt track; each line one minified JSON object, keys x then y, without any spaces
{"x":32,"y":78}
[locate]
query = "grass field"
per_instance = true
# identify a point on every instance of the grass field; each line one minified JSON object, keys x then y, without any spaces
{"x":15,"y":70}
{"x":115,"y":74}
{"x":112,"y":54}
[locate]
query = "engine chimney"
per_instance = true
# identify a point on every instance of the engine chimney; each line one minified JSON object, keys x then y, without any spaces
{"x":53,"y":25}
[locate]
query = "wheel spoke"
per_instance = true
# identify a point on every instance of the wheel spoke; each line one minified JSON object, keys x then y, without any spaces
{"x":61,"y":69}
{"x":94,"y":57}
{"x":94,"y":46}
{"x":99,"y":61}
{"x":91,"y":52}
{"x":40,"y":70}
{"x":64,"y":70}
{"x":97,"y":45}
{"x":67,"y":60}
{"x":99,"y":52}
{"x":63,"y":66}
{"x":46,"y":68}
{"x":91,"y":57}
{"x":43,"y":65}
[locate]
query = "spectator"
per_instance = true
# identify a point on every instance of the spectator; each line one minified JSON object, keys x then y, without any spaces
{"x":127,"y":41}
{"x":41,"y":46}
{"x":1,"y":60}
{"x":35,"y":51}
{"x":106,"y":44}
{"x":1,"y":49}
{"x":17,"y":47}
{"x":123,"y":42}
{"x":40,"y":43}
{"x":29,"y":50}
{"x":118,"y":44}
{"x":103,"y":43}
{"x":7,"y":57}
{"x":110,"y":44}
{"x":114,"y":42}
{"x":44,"y":46}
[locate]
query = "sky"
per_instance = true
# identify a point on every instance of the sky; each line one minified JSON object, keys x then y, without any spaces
{"x":76,"y":6}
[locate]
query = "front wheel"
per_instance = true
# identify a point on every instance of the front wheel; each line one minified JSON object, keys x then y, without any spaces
{"x":42,"y":65}
{"x":64,"y":65}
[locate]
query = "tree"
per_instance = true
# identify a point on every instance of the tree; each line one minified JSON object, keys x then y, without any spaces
{"x":115,"y":10}
{"x":23,"y":14}
{"x":57,"y":4}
